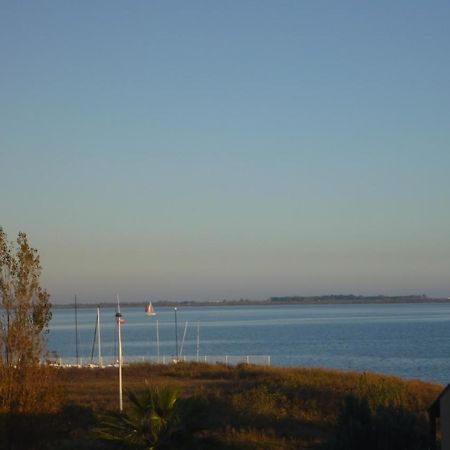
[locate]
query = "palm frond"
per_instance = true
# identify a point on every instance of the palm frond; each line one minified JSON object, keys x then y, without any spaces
{"x":151,"y":419}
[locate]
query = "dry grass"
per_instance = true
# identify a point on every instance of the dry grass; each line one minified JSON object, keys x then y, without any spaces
{"x":250,"y":407}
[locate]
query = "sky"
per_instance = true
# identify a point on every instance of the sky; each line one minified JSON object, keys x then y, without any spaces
{"x":208,"y":150}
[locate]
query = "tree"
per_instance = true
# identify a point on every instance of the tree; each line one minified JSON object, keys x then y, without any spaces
{"x":152,"y":420}
{"x":24,"y":318}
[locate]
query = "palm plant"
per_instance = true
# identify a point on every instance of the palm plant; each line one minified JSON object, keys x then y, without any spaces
{"x":153,"y":418}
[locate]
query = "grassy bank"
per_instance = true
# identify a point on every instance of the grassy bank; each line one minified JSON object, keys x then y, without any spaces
{"x":249,"y":407}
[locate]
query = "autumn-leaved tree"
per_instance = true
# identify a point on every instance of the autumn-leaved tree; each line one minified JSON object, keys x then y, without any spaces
{"x":24,"y":318}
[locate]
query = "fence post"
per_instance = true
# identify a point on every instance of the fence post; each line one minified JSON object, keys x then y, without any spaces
{"x":248,"y":359}
{"x":268,"y":360}
{"x":226,"y":360}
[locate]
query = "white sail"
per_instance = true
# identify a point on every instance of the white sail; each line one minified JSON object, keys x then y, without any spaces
{"x":149,"y":310}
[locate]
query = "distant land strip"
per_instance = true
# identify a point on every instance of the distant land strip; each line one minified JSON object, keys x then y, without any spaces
{"x":337,"y":299}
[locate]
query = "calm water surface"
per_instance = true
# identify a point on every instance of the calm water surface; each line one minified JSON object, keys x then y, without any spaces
{"x":409,"y":340}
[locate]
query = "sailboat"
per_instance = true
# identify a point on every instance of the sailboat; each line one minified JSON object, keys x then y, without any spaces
{"x":149,"y":310}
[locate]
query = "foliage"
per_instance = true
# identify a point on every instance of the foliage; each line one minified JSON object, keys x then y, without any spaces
{"x":255,"y":407}
{"x":27,"y":393}
{"x":376,"y":418}
{"x":251,"y":407}
{"x":25,"y":307}
{"x":354,"y":425}
{"x":152,"y":421}
{"x":68,"y":428}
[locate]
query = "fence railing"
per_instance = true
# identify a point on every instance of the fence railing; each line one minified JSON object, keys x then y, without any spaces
{"x":107,"y":361}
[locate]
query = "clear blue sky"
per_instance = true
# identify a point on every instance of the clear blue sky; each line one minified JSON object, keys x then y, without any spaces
{"x":205,"y":150}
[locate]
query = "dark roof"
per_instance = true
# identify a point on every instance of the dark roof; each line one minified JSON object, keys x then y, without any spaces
{"x":435,"y":408}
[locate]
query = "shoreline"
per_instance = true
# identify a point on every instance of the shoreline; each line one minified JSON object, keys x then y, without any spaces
{"x":280,"y":301}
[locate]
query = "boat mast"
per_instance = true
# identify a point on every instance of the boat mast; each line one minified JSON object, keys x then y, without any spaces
{"x":198,"y":340}
{"x":184,"y":337}
{"x":76,"y":329}
{"x":119,"y":342}
{"x":157,"y":340}
{"x":94,"y":339}
{"x":176,"y":334}
{"x":100,"y":360}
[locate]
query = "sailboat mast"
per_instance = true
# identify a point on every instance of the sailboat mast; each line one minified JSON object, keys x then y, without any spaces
{"x":176,"y":334}
{"x":198,"y":340}
{"x":157,"y":340}
{"x":94,"y":339}
{"x":184,"y":337}
{"x":76,"y":329}
{"x":100,"y":361}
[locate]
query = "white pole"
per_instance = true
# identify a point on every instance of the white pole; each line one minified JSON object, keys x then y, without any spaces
{"x":119,"y":339}
{"x":176,"y":334}
{"x":100,"y":360}
{"x":76,"y":329}
{"x":120,"y":369}
{"x":157,"y":340}
{"x":198,"y":340}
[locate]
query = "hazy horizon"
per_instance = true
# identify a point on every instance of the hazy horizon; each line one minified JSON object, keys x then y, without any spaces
{"x":198,"y":150}
{"x":113,"y":301}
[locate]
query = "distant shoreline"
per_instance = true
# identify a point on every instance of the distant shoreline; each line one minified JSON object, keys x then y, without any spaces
{"x":282,"y":301}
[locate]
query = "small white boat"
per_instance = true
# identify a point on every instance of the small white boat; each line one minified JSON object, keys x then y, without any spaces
{"x":149,"y":310}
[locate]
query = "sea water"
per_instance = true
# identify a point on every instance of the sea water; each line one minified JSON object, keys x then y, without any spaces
{"x":408,"y":340}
